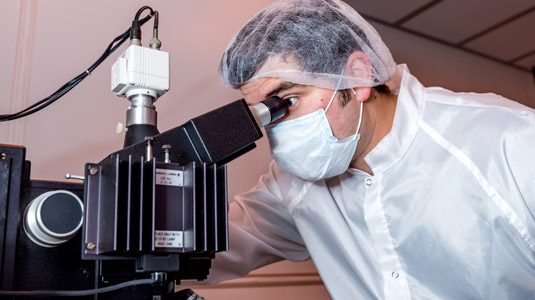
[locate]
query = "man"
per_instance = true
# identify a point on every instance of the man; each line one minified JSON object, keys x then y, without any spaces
{"x":394,"y":190}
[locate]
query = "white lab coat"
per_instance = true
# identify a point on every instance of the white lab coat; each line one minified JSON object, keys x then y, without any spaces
{"x":448,"y":214}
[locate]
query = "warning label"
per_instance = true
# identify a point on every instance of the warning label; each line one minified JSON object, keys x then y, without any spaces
{"x":168,"y":239}
{"x":169,"y":177}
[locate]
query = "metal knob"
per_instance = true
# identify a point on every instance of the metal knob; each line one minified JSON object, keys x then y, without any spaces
{"x":53,"y":218}
{"x":166,"y":150}
{"x":71,"y":176}
{"x":148,"y":141}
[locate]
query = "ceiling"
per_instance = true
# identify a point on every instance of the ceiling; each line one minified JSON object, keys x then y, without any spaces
{"x":499,"y":30}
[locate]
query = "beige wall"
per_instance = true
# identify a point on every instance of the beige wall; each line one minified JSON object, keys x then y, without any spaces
{"x":46,"y":43}
{"x":438,"y":65}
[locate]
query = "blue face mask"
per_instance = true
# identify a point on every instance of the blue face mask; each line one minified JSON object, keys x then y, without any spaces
{"x":306,"y":147}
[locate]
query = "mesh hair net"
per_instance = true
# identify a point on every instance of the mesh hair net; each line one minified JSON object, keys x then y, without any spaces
{"x":307,"y":42}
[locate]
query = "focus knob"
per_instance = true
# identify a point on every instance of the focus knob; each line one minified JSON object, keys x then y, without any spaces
{"x":53,"y":218}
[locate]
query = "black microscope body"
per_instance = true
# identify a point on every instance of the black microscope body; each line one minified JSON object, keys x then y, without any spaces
{"x":157,"y":207}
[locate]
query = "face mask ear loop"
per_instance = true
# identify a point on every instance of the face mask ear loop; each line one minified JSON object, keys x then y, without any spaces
{"x":331,"y":101}
{"x":361,"y":109}
{"x":360,"y":117}
{"x":336,"y":90}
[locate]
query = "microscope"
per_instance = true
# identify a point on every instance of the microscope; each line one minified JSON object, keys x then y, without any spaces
{"x":146,"y":216}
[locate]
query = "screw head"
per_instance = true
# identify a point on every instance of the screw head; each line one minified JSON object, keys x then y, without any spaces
{"x":3,"y":156}
{"x":91,"y":246}
{"x":93,"y":171}
{"x":166,"y":147}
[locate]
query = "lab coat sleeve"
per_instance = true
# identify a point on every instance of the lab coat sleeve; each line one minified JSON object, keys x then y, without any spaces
{"x":519,"y":148}
{"x":261,"y":230}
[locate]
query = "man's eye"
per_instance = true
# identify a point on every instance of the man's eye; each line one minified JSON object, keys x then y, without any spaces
{"x":291,"y":101}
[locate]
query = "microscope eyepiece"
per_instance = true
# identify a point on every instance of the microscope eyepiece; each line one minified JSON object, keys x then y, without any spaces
{"x":268,"y":111}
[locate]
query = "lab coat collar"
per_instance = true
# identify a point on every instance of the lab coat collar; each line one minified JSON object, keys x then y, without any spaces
{"x":409,"y":110}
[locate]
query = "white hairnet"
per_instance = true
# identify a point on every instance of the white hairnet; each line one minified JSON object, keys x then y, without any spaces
{"x":307,"y":42}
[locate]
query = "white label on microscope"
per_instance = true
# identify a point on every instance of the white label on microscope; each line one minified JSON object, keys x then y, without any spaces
{"x":168,"y":239}
{"x":169,"y":177}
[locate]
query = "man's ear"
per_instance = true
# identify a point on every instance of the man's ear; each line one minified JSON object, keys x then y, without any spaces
{"x":358,"y":65}
{"x":362,"y":93}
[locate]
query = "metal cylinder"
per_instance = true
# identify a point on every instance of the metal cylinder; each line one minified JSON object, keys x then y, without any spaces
{"x":268,"y":111}
{"x":142,"y":110}
{"x":53,"y":218}
{"x":261,"y":114}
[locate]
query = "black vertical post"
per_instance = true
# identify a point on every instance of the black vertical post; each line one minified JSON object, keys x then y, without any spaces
{"x":11,"y":176}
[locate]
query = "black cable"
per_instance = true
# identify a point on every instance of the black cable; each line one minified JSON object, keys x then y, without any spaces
{"x":79,"y":292}
{"x":140,"y":11}
{"x":135,"y":30}
{"x":156,"y":19}
{"x":116,"y":43}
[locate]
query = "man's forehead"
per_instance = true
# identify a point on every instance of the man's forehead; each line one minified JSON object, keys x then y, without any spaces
{"x":258,"y":89}
{"x":263,"y":86}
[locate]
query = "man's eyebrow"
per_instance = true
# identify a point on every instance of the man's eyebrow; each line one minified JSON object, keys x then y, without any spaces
{"x":282,"y":87}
